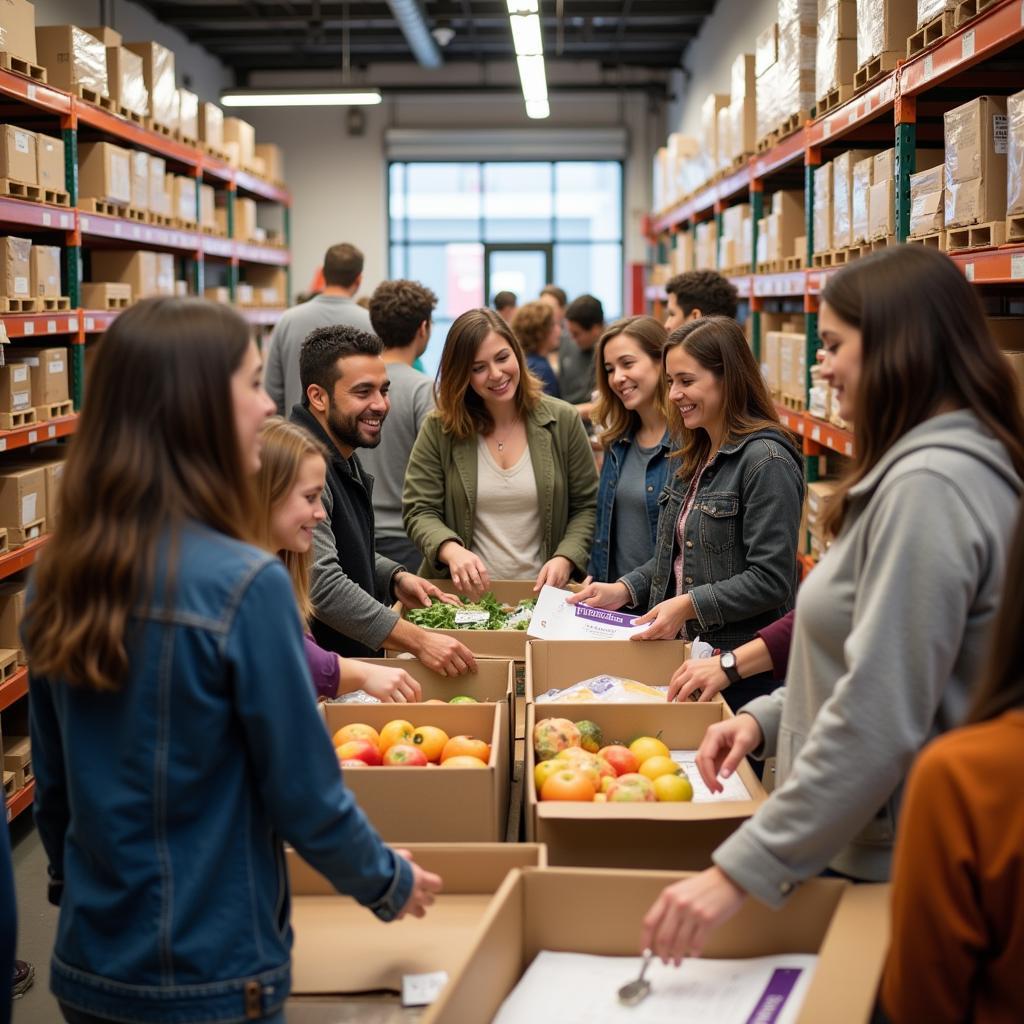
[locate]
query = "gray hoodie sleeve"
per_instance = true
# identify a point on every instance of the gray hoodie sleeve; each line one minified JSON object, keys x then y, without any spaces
{"x":274,"y":374}
{"x":918,"y":576}
{"x":338,"y":601}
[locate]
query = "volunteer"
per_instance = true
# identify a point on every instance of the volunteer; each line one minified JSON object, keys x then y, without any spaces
{"x":892,"y":623}
{"x":165,"y":708}
{"x":501,"y":483}
{"x":632,"y":408}
{"x":537,"y":330}
{"x":724,"y":563}
{"x":293,"y":471}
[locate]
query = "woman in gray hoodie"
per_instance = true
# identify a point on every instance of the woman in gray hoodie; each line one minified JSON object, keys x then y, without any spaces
{"x":892,"y":624}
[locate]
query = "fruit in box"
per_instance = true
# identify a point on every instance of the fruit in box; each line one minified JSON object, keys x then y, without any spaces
{"x":463,"y":761}
{"x":405,"y":755}
{"x":398,"y":730}
{"x":621,"y":758}
{"x":545,"y":768}
{"x":631,"y":788}
{"x":361,"y":750}
{"x":567,"y":784}
{"x":463,"y":699}
{"x":591,"y":737}
{"x":553,"y":735}
{"x":356,"y":731}
{"x":430,"y":740}
{"x":673,"y":788}
{"x":644,"y":747}
{"x":658,"y":765}
{"x":469,"y":746}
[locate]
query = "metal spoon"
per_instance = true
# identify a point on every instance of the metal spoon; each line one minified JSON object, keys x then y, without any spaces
{"x":635,"y":992}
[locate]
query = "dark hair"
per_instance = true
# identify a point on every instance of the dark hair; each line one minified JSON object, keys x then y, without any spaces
{"x":156,"y":446}
{"x":719,"y":345}
{"x":503,"y":300}
{"x":460,"y":408}
{"x":558,"y":294}
{"x":705,"y":290}
{"x":343,"y":263}
{"x":397,"y":308}
{"x":586,"y":311}
{"x":324,"y":347}
{"x":923,"y":342}
{"x":532,"y":324}
{"x":1001,"y":683}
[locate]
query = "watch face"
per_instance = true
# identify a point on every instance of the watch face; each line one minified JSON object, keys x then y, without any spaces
{"x":728,"y":660}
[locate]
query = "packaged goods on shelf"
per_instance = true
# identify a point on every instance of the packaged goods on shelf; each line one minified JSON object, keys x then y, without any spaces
{"x":734,"y":247}
{"x":723,"y":138}
{"x":15,"y":388}
{"x":18,"y":29}
{"x":50,"y":169}
{"x":188,"y":114}
{"x":45,"y":273}
{"x":211,"y":125}
{"x":12,"y":611}
{"x":771,"y":362}
{"x":105,"y":34}
{"x":245,"y":219}
{"x":783,"y":225}
{"x":139,"y":165}
{"x":207,"y":206}
{"x":18,"y":155}
{"x":106,"y":295}
{"x":927,"y":201}
{"x":707,"y":245}
{"x":164,"y":273}
{"x":844,"y":195}
{"x":48,"y":369}
{"x":183,"y":197}
{"x":273,"y":160}
{"x":742,"y":106}
{"x":239,"y":140}
{"x":793,"y":365}
{"x":159,"y":202}
{"x":15,"y":268}
{"x":713,"y":103}
{"x":761,"y":255}
{"x":976,"y":144}
{"x":136,"y":268}
{"x":126,"y":81}
{"x":882,"y":208}
{"x":863,"y":177}
{"x":821,"y":219}
{"x":158,"y":74}
{"x":929,"y":9}
{"x":819,"y":400}
{"x":257,"y":166}
{"x":766,"y":49}
{"x":883,"y":27}
{"x":74,"y":59}
{"x":684,"y":167}
{"x":1015,"y":154}
{"x":245,"y":294}
{"x":836,"y":56}
{"x":218,"y":294}
{"x":52,"y":462}
{"x":181,"y":289}
{"x":104,"y":172}
{"x":22,"y":504}
{"x":683,"y":254}
{"x":270,"y":285}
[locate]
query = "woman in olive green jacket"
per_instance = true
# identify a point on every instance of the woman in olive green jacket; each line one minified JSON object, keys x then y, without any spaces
{"x":501,"y":482}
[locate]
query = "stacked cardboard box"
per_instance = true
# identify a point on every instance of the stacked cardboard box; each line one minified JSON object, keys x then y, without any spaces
{"x":183,"y":197}
{"x":74,"y":59}
{"x":706,"y":240}
{"x":735,"y":243}
{"x":273,"y":161}
{"x":975,"y":179}
{"x":239,"y":141}
{"x":211,"y":125}
{"x":245,"y":219}
{"x":18,"y":30}
{"x":139,"y":169}
{"x":158,"y":74}
{"x":126,"y":80}
{"x":883,"y":27}
{"x":269,"y":284}
{"x":782,"y":227}
{"x":48,"y":373}
{"x":22,"y":504}
{"x":785,"y":65}
{"x":12,"y":611}
{"x":882,"y":197}
{"x":19,"y":155}
{"x":148,"y":273}
{"x":188,"y":115}
{"x":15,"y":268}
{"x":844,"y":195}
{"x":1015,"y":166}
{"x":927,"y":201}
{"x":713,"y":103}
{"x":777,"y":366}
{"x":15,"y":388}
{"x":836,"y":57}
{"x":50,"y":169}
{"x":793,"y":367}
{"x":818,"y":495}
{"x":822,"y":214}
{"x":105,"y":173}
{"x":742,"y":109}
{"x":44,"y":272}
{"x":159,"y":198}
{"x":683,"y":255}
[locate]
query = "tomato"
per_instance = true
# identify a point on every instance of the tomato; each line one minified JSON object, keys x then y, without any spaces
{"x":356,"y":731}
{"x":567,"y":784}
{"x":430,"y":740}
{"x":363,"y":750}
{"x":645,"y":747}
{"x":466,"y":745}
{"x":621,"y":758}
{"x":463,"y":761}
{"x":405,"y":754}
{"x":553,"y":735}
{"x":656,"y":766}
{"x":398,"y":730}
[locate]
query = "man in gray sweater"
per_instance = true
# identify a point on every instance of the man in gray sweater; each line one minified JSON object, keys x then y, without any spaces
{"x":335,"y":305}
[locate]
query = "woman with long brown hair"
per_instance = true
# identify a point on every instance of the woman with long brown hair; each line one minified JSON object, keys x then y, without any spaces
{"x":724,"y":562}
{"x":537,"y":330}
{"x":501,"y":482}
{"x":632,"y":410}
{"x":892,"y":623}
{"x":175,"y":739}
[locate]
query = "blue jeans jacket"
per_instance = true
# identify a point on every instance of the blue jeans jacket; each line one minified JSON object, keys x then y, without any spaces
{"x":163,"y":806}
{"x":611,"y":468}
{"x":739,"y":561}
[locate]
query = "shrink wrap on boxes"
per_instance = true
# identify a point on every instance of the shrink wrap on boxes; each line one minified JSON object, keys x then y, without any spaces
{"x":976,"y":156}
{"x":927,"y":201}
{"x":125,"y":80}
{"x":158,"y":73}
{"x":73,"y":58}
{"x":883,"y":27}
{"x":1015,"y":155}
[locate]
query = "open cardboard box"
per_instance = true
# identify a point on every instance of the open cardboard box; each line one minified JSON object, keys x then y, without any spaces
{"x":655,"y":836}
{"x":599,"y":912}
{"x":559,"y":664}
{"x":341,"y":947}
{"x":433,"y":804}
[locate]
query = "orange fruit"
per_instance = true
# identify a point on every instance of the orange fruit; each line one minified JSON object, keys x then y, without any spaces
{"x":466,"y":745}
{"x":463,"y":761}
{"x":356,"y":731}
{"x":546,"y":768}
{"x":398,"y":730}
{"x":645,"y":747}
{"x":656,"y":766}
{"x":567,"y":784}
{"x":430,"y":740}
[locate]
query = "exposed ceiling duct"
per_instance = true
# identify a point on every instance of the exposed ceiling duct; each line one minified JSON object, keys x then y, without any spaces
{"x":410,"y":20}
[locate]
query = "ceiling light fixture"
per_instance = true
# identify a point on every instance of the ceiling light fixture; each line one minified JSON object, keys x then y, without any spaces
{"x":524,"y":20}
{"x":301,"y":98}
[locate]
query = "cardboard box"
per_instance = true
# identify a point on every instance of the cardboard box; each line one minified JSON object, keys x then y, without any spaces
{"x":12,"y":611}
{"x":860,"y":188}
{"x":563,"y":909}
{"x":1007,"y":331}
{"x":136,"y":268}
{"x":843,"y":194}
{"x":188,"y":114}
{"x":165,"y":273}
{"x":18,"y":155}
{"x":18,"y":29}
{"x":713,"y":103}
{"x":245,"y":294}
{"x":836,"y":59}
{"x":74,"y":59}
{"x":243,"y":135}
{"x":183,"y":197}
{"x":883,"y":27}
{"x":157,"y":176}
{"x":245,"y":219}
{"x":104,"y":172}
{"x":220,"y":294}
{"x":1015,"y":154}
{"x":139,"y":167}
{"x":15,"y":268}
{"x":158,"y":75}
{"x":766,"y":49}
{"x":207,"y":206}
{"x":466,"y":806}
{"x":822,"y":215}
{"x":22,"y":499}
{"x":927,"y":201}
{"x":325,"y":921}
{"x":211,"y":125}
{"x":15,"y":388}
{"x":45,"y":272}
{"x":270,"y":285}
{"x":126,"y":80}
{"x":785,"y":223}
{"x":50,"y":170}
{"x":771,"y":366}
{"x":51,"y":460}
{"x":106,"y":35}
{"x":677,"y":836}
{"x":49,"y":372}
{"x":105,"y":294}
{"x":819,"y":494}
{"x":793,"y":364}
{"x":976,"y":145}
{"x":273,"y":160}
{"x":882,"y":209}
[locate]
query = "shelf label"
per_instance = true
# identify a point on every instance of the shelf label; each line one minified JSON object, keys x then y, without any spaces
{"x":72,"y":323}
{"x":28,"y":327}
{"x":136,"y":232}
{"x":33,"y":436}
{"x":1017,"y":266}
{"x":3,"y":444}
{"x":815,"y":433}
{"x":968,"y":45}
{"x":51,"y":431}
{"x":65,"y":220}
{"x":852,"y":119}
{"x":969,"y":271}
{"x":31,"y":92}
{"x":849,"y":448}
{"x":46,"y":219}
{"x":90,"y":323}
{"x":928,"y":66}
{"x":51,"y":326}
{"x":117,"y":229}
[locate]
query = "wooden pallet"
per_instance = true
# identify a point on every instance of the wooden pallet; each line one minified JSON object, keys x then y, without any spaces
{"x":971,"y":9}
{"x":131,"y":115}
{"x":55,"y":197}
{"x":885,"y":242}
{"x":53,"y":303}
{"x":8,"y":658}
{"x":8,"y":305}
{"x":14,"y":420}
{"x":160,"y":129}
{"x":205,"y":229}
{"x":976,"y":236}
{"x":743,"y":270}
{"x":101,"y":206}
{"x":792,"y":263}
{"x":772,"y":267}
{"x":794,"y":403}
{"x":931,"y":32}
{"x":217,"y":154}
{"x":8,"y":784}
{"x":133,"y":213}
{"x":53,"y":411}
{"x":97,"y":99}
{"x":854,"y":252}
{"x":782,"y":130}
{"x":1015,"y":229}
{"x":158,"y":219}
{"x":871,"y":70}
{"x":23,"y":67}
{"x":19,"y":535}
{"x":833,"y":98}
{"x":3,"y":541}
{"x":19,"y":190}
{"x":187,"y":140}
{"x":934,"y":240}
{"x":821,"y":259}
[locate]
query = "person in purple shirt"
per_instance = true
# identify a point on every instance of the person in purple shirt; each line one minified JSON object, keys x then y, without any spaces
{"x":291,"y":479}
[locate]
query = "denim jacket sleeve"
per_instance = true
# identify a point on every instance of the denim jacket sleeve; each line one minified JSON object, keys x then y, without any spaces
{"x":639,"y":583}
{"x":306,"y":797}
{"x":50,"y":802}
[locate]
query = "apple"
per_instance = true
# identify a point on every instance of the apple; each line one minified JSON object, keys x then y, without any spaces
{"x":405,"y":754}
{"x":356,"y":731}
{"x":463,"y":699}
{"x":673,"y":788}
{"x":631,"y":788}
{"x":361,"y":750}
{"x":553,"y":735}
{"x":463,"y":761}
{"x":546,"y":768}
{"x":621,"y":758}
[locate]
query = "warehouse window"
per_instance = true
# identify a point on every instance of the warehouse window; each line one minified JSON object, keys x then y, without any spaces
{"x":470,"y":229}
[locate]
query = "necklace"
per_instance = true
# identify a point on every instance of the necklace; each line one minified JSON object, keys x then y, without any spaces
{"x":501,"y":443}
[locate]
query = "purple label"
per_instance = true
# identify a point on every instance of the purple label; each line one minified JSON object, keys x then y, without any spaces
{"x":774,"y":997}
{"x":584,"y":611}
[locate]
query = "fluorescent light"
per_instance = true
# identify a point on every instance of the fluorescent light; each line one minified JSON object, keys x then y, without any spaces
{"x":532,"y":78}
{"x":522,"y":6}
{"x":313,"y":98}
{"x":526,"y":34}
{"x":537,"y":109}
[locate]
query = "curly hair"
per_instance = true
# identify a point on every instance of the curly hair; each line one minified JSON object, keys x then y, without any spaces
{"x":324,"y":346}
{"x":705,"y":290}
{"x":397,"y":308}
{"x":532,"y":325}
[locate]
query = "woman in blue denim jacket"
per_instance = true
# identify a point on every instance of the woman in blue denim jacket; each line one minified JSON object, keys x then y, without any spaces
{"x":724,"y":564}
{"x":175,"y":739}
{"x":632,"y":409}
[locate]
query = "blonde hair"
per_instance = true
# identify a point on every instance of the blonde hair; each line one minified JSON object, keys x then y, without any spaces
{"x":285,"y":446}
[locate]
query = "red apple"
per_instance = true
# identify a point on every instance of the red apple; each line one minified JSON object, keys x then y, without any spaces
{"x":631,"y":788}
{"x":622,"y":759}
{"x":360,"y":750}
{"x":405,"y":754}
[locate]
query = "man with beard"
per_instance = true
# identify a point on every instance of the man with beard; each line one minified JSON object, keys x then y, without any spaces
{"x":344,"y":405}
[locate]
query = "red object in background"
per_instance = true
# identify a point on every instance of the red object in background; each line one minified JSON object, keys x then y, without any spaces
{"x":464,"y":274}
{"x":317,"y":284}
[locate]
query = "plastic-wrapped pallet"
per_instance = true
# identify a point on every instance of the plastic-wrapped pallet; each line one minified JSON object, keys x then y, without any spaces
{"x":927,"y":10}
{"x":766,"y":60}
{"x":73,"y":58}
{"x":723,"y":142}
{"x":843,"y":195}
{"x":158,"y":72}
{"x":883,"y":26}
{"x":713,"y":103}
{"x":836,"y":58}
{"x":976,"y":145}
{"x":822,"y":213}
{"x":927,"y":201}
{"x":1015,"y":155}
{"x":742,"y":106}
{"x":861,"y":182}
{"x":707,"y":245}
{"x":125,"y":80}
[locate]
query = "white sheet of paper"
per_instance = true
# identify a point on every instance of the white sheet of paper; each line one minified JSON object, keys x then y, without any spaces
{"x":577,"y":988}
{"x":553,"y":619}
{"x":732,"y":787}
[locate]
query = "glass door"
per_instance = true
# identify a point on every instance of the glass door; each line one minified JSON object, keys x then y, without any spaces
{"x":523,"y":269}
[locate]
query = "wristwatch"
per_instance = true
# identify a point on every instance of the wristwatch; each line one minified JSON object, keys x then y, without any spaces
{"x":728,"y":662}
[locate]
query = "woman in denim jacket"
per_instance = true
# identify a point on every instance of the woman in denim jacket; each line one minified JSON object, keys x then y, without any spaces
{"x":724,"y":564}
{"x":175,"y":739}
{"x":632,"y":408}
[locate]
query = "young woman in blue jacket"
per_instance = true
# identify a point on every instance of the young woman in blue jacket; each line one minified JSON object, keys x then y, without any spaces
{"x":175,"y":739}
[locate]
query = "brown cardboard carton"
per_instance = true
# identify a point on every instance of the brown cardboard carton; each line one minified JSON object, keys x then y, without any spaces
{"x":788,"y":211}
{"x":188,"y":114}
{"x":269,"y":284}
{"x":566,"y":909}
{"x":976,"y":143}
{"x":74,"y":58}
{"x":843,"y":192}
{"x":157,"y":174}
{"x":221,"y":216}
{"x":822,"y":214}
{"x":106,"y":35}
{"x":139,"y":165}
{"x":15,"y":388}
{"x":158,"y":75}
{"x":883,"y":27}
{"x":211,"y":125}
{"x":793,"y":364}
{"x":104,"y":172}
{"x":466,"y":806}
{"x":861,"y":182}
{"x":771,"y":365}
{"x":18,"y":155}
{"x":22,"y":498}
{"x":105,"y":294}
{"x":240,"y":132}
{"x":245,"y":219}
{"x":165,"y":273}
{"x":272,"y":159}
{"x":678,"y":836}
{"x":882,"y":209}
{"x":45,"y":272}
{"x":18,"y":29}
{"x":15,"y":267}
{"x":135,"y":268}
{"x":324,"y":921}
{"x":51,"y":460}
{"x":49,"y":372}
{"x":50,"y":170}
{"x":927,"y":201}
{"x":183,"y":197}
{"x":126,"y":80}
{"x":219,"y":294}
{"x":245,"y":294}
{"x":12,"y":611}
{"x":207,"y":206}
